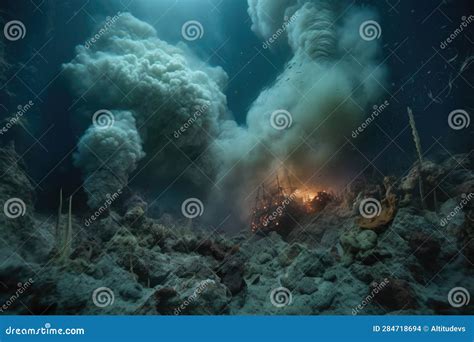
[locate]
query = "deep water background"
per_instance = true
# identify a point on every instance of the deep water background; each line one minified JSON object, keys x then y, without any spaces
{"x":412,"y":32}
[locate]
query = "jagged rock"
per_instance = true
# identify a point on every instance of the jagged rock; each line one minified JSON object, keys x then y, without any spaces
{"x":151,"y":269}
{"x":363,"y":273}
{"x":292,"y":277}
{"x":232,"y":273}
{"x":331,"y":274}
{"x":307,"y":286}
{"x":213,"y":298}
{"x":310,"y":263}
{"x":135,"y":201}
{"x":134,"y":217}
{"x":324,"y":297}
{"x":425,"y":248}
{"x":289,"y":254}
{"x":157,"y":268}
{"x":396,"y":295}
{"x":370,"y":257}
{"x":207,"y":247}
{"x":191,"y":298}
{"x":264,"y":258}
{"x":450,"y":218}
{"x":15,"y":182}
{"x":355,"y":240}
{"x":16,"y":198}
{"x":165,"y":300}
{"x":193,"y":267}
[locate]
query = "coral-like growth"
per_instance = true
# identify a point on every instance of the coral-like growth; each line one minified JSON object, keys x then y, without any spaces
{"x":416,"y":139}
{"x":389,"y":208}
{"x":63,"y":236}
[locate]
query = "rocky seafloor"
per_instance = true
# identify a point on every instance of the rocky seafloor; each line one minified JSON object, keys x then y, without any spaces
{"x":331,"y":262}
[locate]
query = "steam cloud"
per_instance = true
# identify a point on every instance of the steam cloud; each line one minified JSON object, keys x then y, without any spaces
{"x":162,"y":85}
{"x":332,"y":75}
{"x":107,"y":156}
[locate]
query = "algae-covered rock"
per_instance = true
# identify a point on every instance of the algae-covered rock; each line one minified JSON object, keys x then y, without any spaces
{"x":355,"y":240}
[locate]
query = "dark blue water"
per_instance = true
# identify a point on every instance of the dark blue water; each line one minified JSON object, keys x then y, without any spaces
{"x":412,"y":33}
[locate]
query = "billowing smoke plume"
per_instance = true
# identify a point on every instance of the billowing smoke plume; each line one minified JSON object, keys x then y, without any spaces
{"x":267,"y":15}
{"x":319,"y":96}
{"x":164,"y":86}
{"x":107,"y":153}
{"x":296,"y":124}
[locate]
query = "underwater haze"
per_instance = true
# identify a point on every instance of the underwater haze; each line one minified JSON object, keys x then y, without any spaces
{"x":228,"y":157}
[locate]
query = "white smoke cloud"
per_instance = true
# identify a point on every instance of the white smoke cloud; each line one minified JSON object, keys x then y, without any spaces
{"x":107,"y":155}
{"x":268,"y":15}
{"x":332,"y":76}
{"x":129,"y":68}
